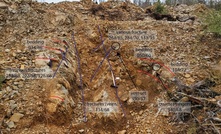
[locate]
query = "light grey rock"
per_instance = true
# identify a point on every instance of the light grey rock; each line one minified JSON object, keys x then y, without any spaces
{"x":11,"y":124}
{"x":7,"y":50}
{"x":15,"y":83}
{"x":81,"y":131}
{"x":8,"y":89}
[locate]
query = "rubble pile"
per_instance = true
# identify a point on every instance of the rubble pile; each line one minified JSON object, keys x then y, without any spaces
{"x":117,"y":11}
{"x":180,"y":13}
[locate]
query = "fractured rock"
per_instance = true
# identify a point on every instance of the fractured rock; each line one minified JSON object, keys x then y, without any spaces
{"x":16,"y":117}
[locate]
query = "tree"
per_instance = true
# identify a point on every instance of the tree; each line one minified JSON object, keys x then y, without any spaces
{"x":213,"y":21}
{"x":202,"y":1}
{"x":168,"y":2}
{"x":159,"y":8}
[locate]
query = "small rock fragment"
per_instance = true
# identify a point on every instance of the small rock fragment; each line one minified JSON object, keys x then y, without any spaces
{"x":187,"y":75}
{"x":11,"y":124}
{"x":7,"y":50}
{"x":13,"y":54}
{"x":16,"y":117}
{"x":22,"y":67}
{"x":141,"y":112}
{"x":81,"y":131}
{"x":184,"y":99}
{"x":138,"y":82}
{"x":218,"y":97}
{"x":149,"y":131}
{"x":191,"y":80}
{"x":122,"y":132}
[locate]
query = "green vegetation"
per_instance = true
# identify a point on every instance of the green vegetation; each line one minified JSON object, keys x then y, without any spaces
{"x":215,"y":5}
{"x":160,"y":8}
{"x":213,"y":23}
{"x":168,"y":2}
{"x":2,"y":78}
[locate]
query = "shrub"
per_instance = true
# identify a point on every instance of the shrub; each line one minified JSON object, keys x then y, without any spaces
{"x":160,"y":8}
{"x":213,"y":22}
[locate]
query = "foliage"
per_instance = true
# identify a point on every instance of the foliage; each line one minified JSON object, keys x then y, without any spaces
{"x":213,"y":22}
{"x":160,"y":8}
{"x":168,"y":2}
{"x":218,"y":6}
